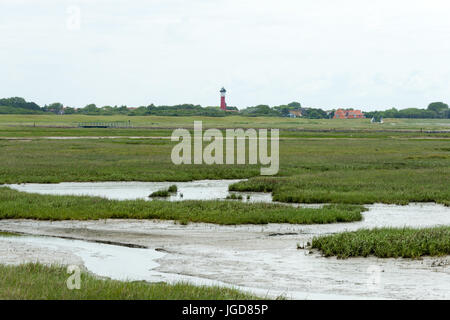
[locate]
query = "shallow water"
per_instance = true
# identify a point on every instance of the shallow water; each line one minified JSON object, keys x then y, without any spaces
{"x":102,"y":259}
{"x":387,"y":215}
{"x":192,"y":190}
{"x":263,"y":260}
{"x":249,"y":258}
{"x":111,"y":261}
{"x":124,"y":263}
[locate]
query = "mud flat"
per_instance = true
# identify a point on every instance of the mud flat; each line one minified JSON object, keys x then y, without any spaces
{"x":260,"y":259}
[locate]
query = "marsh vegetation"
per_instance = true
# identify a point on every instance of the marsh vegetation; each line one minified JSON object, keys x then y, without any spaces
{"x":312,"y":170}
{"x":40,"y":282}
{"x":341,"y":162}
{"x":164,"y":193}
{"x":19,"y":205}
{"x":234,"y":196}
{"x":386,"y":243}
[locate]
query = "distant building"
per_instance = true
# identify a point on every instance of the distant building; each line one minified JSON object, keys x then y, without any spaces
{"x":223,"y":104}
{"x":348,"y":114}
{"x":295,"y":113}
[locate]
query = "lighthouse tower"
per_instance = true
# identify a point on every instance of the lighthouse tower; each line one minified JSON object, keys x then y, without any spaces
{"x":223,"y":104}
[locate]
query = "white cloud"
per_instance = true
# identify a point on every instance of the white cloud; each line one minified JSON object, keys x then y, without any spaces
{"x":323,"y":53}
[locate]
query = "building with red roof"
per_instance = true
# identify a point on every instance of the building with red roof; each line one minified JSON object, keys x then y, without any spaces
{"x":348,"y":114}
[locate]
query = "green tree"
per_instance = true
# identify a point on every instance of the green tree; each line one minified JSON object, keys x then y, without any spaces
{"x":295,"y":105}
{"x":55,"y":107}
{"x":91,"y":108}
{"x":437,"y":106}
{"x":18,"y":102}
{"x":441,"y":109}
{"x":69,"y":110}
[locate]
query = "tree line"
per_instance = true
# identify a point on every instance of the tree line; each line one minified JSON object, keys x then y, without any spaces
{"x":435,"y":110}
{"x":17,"y":105}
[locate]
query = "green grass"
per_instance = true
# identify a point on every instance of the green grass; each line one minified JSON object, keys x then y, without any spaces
{"x":234,"y":196}
{"x":359,"y":166}
{"x":19,"y":205}
{"x":44,"y":161}
{"x":386,"y":243}
{"x":399,"y":186}
{"x":39,"y":282}
{"x":164,"y":193}
{"x":159,"y":126}
{"x":223,"y":122}
{"x":173,"y":188}
{"x":358,"y":171}
{"x":160,"y":194}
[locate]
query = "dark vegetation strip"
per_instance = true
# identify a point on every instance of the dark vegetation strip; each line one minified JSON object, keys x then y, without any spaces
{"x":386,"y":243}
{"x":160,"y":194}
{"x":19,"y":205}
{"x":8,"y":234}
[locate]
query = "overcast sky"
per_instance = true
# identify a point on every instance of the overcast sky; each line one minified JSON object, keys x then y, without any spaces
{"x":322,"y":53}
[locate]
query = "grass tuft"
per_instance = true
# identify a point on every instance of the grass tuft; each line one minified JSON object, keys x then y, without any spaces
{"x":160,"y":194}
{"x":173,"y":188}
{"x":234,"y":196}
{"x":386,"y":243}
{"x":164,"y":193}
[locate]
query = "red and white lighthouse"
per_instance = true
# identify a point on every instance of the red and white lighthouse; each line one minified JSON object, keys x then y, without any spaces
{"x":223,"y":104}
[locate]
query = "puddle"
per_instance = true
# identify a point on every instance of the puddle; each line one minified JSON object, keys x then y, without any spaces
{"x":192,"y":190}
